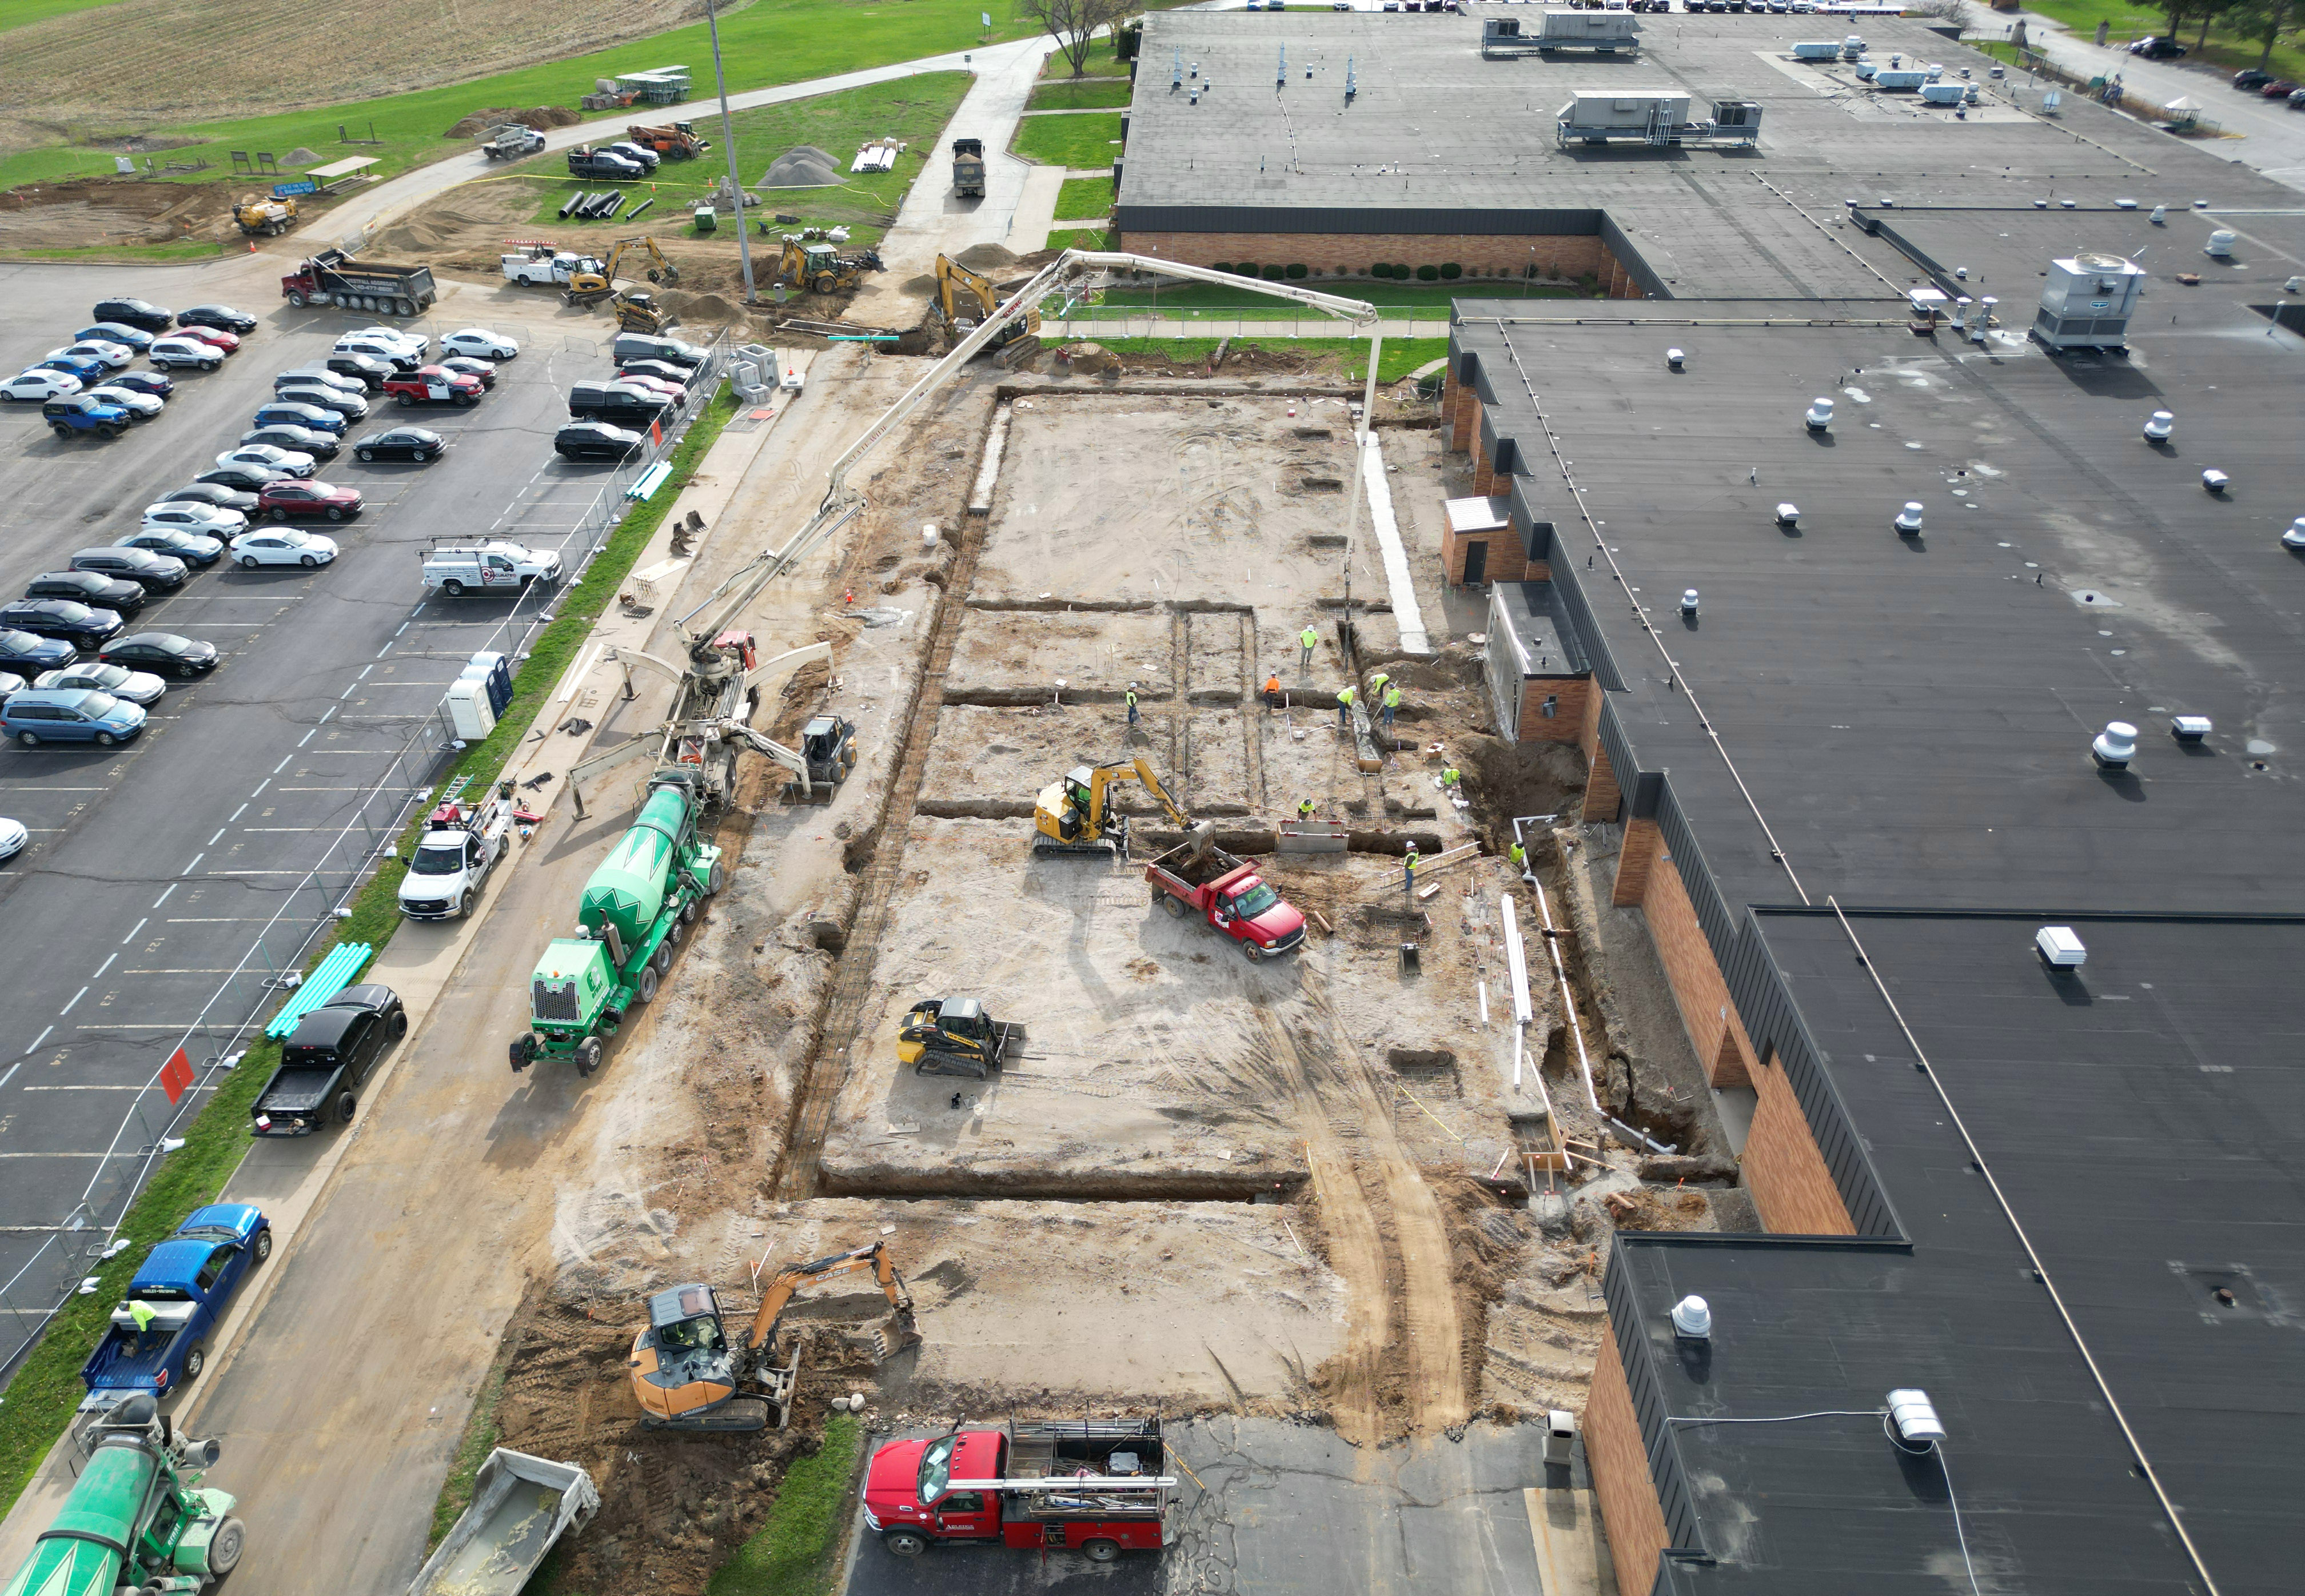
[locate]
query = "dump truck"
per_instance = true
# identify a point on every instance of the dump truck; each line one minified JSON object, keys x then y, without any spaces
{"x":138,"y":1517}
{"x":678,"y":140}
{"x":1198,"y":878}
{"x":333,"y":278}
{"x":264,"y":218}
{"x":510,"y":140}
{"x":635,"y":909}
{"x":1095,"y":1486}
{"x":968,"y":168}
{"x":521,"y":1506}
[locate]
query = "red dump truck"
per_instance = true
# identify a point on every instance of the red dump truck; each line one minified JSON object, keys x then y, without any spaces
{"x":1198,"y":878}
{"x":333,"y":278}
{"x":1095,"y":1486}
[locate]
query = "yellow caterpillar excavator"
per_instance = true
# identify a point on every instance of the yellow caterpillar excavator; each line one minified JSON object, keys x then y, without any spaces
{"x":966,"y":299}
{"x":590,"y":287}
{"x":1076,"y":815}
{"x":687,"y":1375}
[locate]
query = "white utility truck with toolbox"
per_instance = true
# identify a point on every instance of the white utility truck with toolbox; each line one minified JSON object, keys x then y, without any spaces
{"x":495,"y":566}
{"x":461,"y":843}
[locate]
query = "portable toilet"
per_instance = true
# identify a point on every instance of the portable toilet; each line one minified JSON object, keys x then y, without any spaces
{"x":470,"y":716}
{"x":496,"y":669}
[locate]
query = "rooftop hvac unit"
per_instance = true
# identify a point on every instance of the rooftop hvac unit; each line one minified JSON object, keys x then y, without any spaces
{"x":2088,"y":301}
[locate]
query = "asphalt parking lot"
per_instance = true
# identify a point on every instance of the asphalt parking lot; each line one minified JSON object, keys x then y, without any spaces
{"x":153,"y":867}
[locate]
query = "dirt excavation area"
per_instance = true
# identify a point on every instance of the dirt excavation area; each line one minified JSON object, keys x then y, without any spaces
{"x":1314,"y":1186}
{"x":105,"y":210}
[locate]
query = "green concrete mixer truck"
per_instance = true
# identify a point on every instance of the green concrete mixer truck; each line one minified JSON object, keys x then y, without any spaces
{"x":138,"y":1518}
{"x":635,"y":909}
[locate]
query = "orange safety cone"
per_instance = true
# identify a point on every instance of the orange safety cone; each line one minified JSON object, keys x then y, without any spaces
{"x":252,"y":246}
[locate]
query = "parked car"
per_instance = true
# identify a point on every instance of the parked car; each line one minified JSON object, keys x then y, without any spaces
{"x":2297,"y":100}
{"x":242,"y":477}
{"x":169,"y":353}
{"x":377,"y":349}
{"x":401,"y":443}
{"x":480,"y":342}
{"x":414,"y":343}
{"x":650,"y":347}
{"x":193,"y":515}
{"x":325,"y":1059}
{"x":41,"y":382}
{"x":296,"y":439}
{"x":10,"y":683}
{"x":672,"y":392}
{"x":85,"y":366}
{"x":277,"y":546}
{"x":2157,"y":46}
{"x":63,"y":619}
{"x":597,"y":440}
{"x":156,"y":1341}
{"x":28,"y":654}
{"x":140,"y":688}
{"x":2280,"y":88}
{"x":163,"y":653}
{"x":12,"y":838}
{"x":647,"y":159}
{"x":2251,"y":78}
{"x":367,"y":370}
{"x":87,"y":588}
{"x":320,"y":377}
{"x":214,"y":337}
{"x":141,"y":382}
{"x":284,"y":501}
{"x":118,"y":332}
{"x":351,"y":406}
{"x":217,"y":315}
{"x":617,"y":405}
{"x":143,"y":407}
{"x":85,"y":413}
{"x":434,"y":385}
{"x":154,"y":572}
{"x":194,"y":548}
{"x":109,"y":355}
{"x":470,"y":367}
{"x":136,"y":313}
{"x":75,"y":715}
{"x":293,"y":413}
{"x":663,"y":370}
{"x":290,"y":463}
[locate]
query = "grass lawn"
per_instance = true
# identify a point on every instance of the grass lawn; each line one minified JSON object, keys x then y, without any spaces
{"x":1084,"y":200}
{"x":1086,"y":142}
{"x":181,"y":248}
{"x":793,"y":1552}
{"x":46,"y":1388}
{"x":913,"y":109}
{"x":1400,"y":356}
{"x":1082,"y":94}
{"x":2227,"y":49}
{"x":16,"y":14}
{"x":772,"y":42}
{"x":1208,"y":299}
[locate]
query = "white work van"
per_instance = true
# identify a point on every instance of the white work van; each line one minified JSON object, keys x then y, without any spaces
{"x":491,"y":567}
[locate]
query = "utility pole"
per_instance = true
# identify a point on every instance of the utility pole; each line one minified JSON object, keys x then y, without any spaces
{"x":728,"y":141}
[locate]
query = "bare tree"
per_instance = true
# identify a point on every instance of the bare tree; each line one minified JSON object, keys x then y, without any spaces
{"x":1077,"y":23}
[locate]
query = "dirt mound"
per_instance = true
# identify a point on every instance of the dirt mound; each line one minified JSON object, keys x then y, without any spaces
{"x":803,"y":167}
{"x":535,"y":116}
{"x":701,"y":309}
{"x":980,"y":258}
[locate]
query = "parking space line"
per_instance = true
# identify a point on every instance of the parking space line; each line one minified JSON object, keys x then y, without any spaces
{"x":187,"y":871}
{"x":163,"y":896}
{"x":68,"y":1008}
{"x":36,"y":1042}
{"x":100,"y":969}
{"x":125,"y":941}
{"x":221,"y":830}
{"x":90,"y":1087}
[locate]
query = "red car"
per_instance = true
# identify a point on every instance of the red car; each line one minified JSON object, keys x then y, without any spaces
{"x":434,"y":385}
{"x":306,"y":501}
{"x":214,"y":337}
{"x":2279,"y":88}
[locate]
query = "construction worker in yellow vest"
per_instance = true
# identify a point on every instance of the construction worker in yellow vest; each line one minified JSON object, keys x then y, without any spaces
{"x":1391,"y":702}
{"x":1132,"y":703}
{"x":1306,"y":640}
{"x":1303,"y":811}
{"x":1344,"y":708}
{"x":1376,"y":686}
{"x":1408,"y":871}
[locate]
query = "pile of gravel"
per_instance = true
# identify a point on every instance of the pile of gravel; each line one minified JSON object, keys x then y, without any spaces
{"x":803,"y":167}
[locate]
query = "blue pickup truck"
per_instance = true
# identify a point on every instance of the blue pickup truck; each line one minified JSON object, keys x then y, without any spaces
{"x":157,"y":1340}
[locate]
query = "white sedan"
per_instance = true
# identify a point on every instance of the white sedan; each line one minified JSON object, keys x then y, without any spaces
{"x":41,"y":384}
{"x":176,"y":351}
{"x":413,"y":342}
{"x":114,"y":355}
{"x":191,"y":515}
{"x":140,"y":688}
{"x":143,"y":406}
{"x":12,"y":838}
{"x":479,"y":341}
{"x":283,"y":545}
{"x":270,"y":456}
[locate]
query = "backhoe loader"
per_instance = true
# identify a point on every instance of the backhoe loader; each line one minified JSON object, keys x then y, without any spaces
{"x":590,"y":287}
{"x":965,"y":299}
{"x":687,"y":1375}
{"x":1076,"y":815}
{"x":954,"y":1036}
{"x":821,"y":268}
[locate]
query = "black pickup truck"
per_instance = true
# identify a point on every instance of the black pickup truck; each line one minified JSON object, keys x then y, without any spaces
{"x":325,"y":1060}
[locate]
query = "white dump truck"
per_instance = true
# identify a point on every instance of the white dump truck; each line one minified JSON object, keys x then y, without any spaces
{"x":521,"y":1506}
{"x":461,"y":843}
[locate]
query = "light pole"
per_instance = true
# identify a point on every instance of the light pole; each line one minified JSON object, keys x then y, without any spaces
{"x":728,"y":138}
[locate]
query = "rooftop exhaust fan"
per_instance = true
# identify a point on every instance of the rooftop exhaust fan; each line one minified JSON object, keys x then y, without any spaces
{"x":2159,"y":426}
{"x":2216,"y":481}
{"x":1787,"y":514}
{"x":2113,"y":747}
{"x":1820,"y":415}
{"x":2190,"y":728}
{"x":2295,"y":538}
{"x":1908,"y":519}
{"x":1675,"y":359}
{"x":1914,"y":1419}
{"x":2220,"y":245}
{"x":1688,"y":602}
{"x":2160,"y":216}
{"x":1692,"y":1318}
{"x":2060,"y":949}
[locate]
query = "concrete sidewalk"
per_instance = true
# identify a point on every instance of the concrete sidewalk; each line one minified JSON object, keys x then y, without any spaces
{"x":1220,"y":325}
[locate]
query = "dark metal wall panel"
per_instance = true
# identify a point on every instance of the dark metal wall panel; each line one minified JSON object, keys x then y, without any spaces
{"x":1649,"y":1408}
{"x":1697,"y":877}
{"x":1568,"y":581}
{"x":1618,"y":747}
{"x":1643,"y":275}
{"x":1532,"y":223}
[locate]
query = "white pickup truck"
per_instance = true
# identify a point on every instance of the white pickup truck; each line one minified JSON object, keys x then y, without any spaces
{"x":495,"y":566}
{"x":461,"y":844}
{"x":550,"y":268}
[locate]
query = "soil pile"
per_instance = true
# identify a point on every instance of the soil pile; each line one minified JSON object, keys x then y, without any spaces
{"x":701,"y":309}
{"x":803,"y":167}
{"x":535,"y":116}
{"x":301,"y":155}
{"x":980,"y":258}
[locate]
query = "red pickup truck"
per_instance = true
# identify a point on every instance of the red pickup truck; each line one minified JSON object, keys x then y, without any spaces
{"x":1095,"y":1486}
{"x":434,"y":385}
{"x":1228,"y":893}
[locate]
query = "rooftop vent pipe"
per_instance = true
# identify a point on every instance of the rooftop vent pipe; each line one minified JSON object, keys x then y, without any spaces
{"x":1688,"y":602}
{"x":1691,"y":1318}
{"x":1908,"y":519}
{"x":2113,"y":747}
{"x":1914,"y":1418}
{"x":2159,"y":426}
{"x":2160,"y":217}
{"x":1820,"y":415}
{"x":2220,"y":245}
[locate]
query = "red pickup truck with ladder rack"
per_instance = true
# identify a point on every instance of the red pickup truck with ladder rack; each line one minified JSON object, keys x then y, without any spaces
{"x":1095,"y":1486}
{"x":1196,"y":876}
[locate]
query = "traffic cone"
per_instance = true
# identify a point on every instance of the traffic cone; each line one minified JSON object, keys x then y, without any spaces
{"x":252,"y":246}
{"x":1292,"y":410}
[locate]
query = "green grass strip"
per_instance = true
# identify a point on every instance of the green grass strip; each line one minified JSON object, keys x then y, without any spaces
{"x":17,"y":13}
{"x":1086,"y":142}
{"x":1400,"y":357}
{"x":795,"y":1551}
{"x":1084,"y":200}
{"x":1081,"y":93}
{"x":179,"y":248}
{"x":46,"y":1390}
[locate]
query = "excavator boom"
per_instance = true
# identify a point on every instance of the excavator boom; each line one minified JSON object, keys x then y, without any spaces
{"x":1152,"y":785}
{"x":791,"y":1279}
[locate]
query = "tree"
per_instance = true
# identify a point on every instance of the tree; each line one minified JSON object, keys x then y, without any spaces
{"x":1076,"y":22}
{"x":2264,"y":21}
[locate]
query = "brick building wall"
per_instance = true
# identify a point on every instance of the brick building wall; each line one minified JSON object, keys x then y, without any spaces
{"x":1566,"y":724}
{"x":1620,"y":1474}
{"x":1647,"y":877}
{"x":1783,"y":1169}
{"x":1351,"y":254}
{"x":1504,"y":562}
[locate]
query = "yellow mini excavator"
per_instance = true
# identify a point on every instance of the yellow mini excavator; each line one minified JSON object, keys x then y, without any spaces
{"x":1076,"y":815}
{"x":687,"y":1374}
{"x":966,"y":300}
